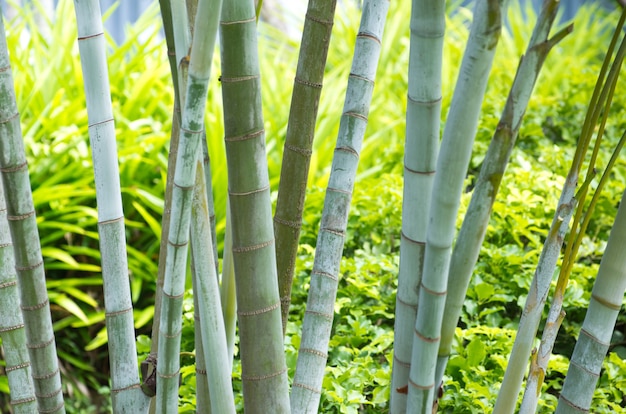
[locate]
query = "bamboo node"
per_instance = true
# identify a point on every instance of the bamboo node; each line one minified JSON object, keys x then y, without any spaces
{"x":11,"y":328}
{"x":360,"y":77}
{"x":105,"y":121}
{"x":421,"y":387}
{"x":27,"y":268}
{"x":200,"y":371}
{"x":348,"y":150}
{"x":327,"y":316}
{"x":369,"y":35}
{"x":245,"y":137}
{"x":189,"y":131}
{"x":5,"y":68}
{"x":302,"y":151}
{"x":418,"y":172}
{"x":315,"y":352}
{"x":55,"y":409}
{"x":130,"y":387}
{"x":325,"y":274}
{"x":593,"y":338}
{"x":115,"y":220}
{"x":356,"y":115}
{"x":13,"y":403}
{"x":166,"y":376}
{"x":425,"y":338}
{"x":16,"y":367}
{"x":306,"y":387}
{"x":46,"y":376}
{"x":307,"y":83}
{"x":335,"y":232}
{"x":90,"y":36}
{"x":429,"y":102}
{"x":173,"y":297}
{"x":227,"y":23}
{"x":224,"y":79}
{"x":338,"y":190}
{"x":259,"y":311}
{"x":263,"y":377}
{"x":410,"y":240}
{"x":613,"y":306}
{"x":319,"y":20}
{"x":293,"y":224}
{"x":117,"y":313}
{"x":6,"y":121}
{"x":433,"y":292}
{"x":397,"y":360}
{"x":21,"y":216}
{"x":8,"y":284}
{"x":405,"y":303}
{"x":247,"y":193}
{"x":246,"y":249}
{"x":35,"y":307}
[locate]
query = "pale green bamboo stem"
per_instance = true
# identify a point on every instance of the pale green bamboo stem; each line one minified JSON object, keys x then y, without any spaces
{"x":166,"y":15}
{"x":318,"y":318}
{"x":34,"y":301}
{"x":228,"y":294}
{"x":203,"y":398}
{"x":184,"y":177}
{"x":12,"y":331}
{"x":264,"y":373}
{"x":420,"y":158}
{"x":595,"y":336}
{"x":307,"y":88}
{"x":207,"y":290}
{"x":474,"y":227}
{"x":452,"y":163}
{"x":125,"y":391}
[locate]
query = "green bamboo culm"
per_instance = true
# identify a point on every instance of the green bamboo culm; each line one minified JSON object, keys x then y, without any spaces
{"x":192,"y":127}
{"x":452,"y":163}
{"x":474,"y":227}
{"x":318,"y":318}
{"x":595,"y":335}
{"x":126,"y":392}
{"x":421,"y":147}
{"x":264,"y":374}
{"x":207,"y":292}
{"x":307,"y":89}
{"x":12,"y":331}
{"x":26,"y":246}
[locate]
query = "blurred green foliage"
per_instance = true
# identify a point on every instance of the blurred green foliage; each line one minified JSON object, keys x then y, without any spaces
{"x":54,"y":121}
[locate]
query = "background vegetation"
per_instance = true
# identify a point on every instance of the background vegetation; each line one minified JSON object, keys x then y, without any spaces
{"x":51,"y":102}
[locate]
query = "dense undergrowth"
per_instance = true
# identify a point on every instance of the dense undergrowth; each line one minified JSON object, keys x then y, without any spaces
{"x":54,"y":119}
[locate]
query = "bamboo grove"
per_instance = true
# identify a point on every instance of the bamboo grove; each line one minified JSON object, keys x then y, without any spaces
{"x":250,"y":294}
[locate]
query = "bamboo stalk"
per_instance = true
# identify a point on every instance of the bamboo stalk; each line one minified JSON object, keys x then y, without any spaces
{"x":12,"y":331}
{"x":207,"y":291}
{"x":452,"y":163}
{"x":318,"y":318}
{"x":35,"y":304}
{"x":264,"y":374}
{"x":421,"y":148}
{"x":125,"y":388}
{"x":307,"y":88}
{"x":184,"y":178}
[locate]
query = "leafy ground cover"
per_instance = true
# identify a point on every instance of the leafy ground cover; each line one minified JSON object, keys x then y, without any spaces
{"x":50,"y":95}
